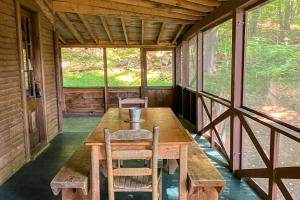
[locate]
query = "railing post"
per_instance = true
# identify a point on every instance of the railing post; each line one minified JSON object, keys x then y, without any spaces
{"x":199,"y":78}
{"x":238,"y":36}
{"x":274,"y":153}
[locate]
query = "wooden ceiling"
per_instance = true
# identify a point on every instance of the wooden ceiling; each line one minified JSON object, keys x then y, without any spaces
{"x":127,"y":22}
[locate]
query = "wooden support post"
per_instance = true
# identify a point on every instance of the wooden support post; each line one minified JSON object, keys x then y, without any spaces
{"x":185,"y":73}
{"x":142,"y":32}
{"x":178,"y":66}
{"x":105,"y":81}
{"x":143,"y":72}
{"x":59,"y":83}
{"x":274,"y":154}
{"x":237,"y":88}
{"x":199,"y":115}
{"x":23,"y":90}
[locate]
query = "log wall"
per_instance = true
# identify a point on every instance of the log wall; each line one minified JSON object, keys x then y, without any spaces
{"x":12,"y":146}
{"x":49,"y":77}
{"x":91,"y":100}
{"x":12,"y":129}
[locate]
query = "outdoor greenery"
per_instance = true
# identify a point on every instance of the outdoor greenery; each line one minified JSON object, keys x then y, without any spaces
{"x":159,"y":68}
{"x":272,"y":60}
{"x":84,"y":67}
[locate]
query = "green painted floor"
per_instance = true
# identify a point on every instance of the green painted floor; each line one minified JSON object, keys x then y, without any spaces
{"x":32,"y":182}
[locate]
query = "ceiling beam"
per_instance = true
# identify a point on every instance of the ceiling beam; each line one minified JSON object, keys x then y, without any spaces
{"x":179,"y":31}
{"x":70,"y":27}
{"x":160,"y":32}
{"x":143,"y":31}
{"x":124,"y":30}
{"x":104,"y":23}
{"x":132,"y":43}
{"x":88,"y":27}
{"x":206,"y":2}
{"x":105,"y":8}
{"x":186,"y":5}
{"x":166,"y":8}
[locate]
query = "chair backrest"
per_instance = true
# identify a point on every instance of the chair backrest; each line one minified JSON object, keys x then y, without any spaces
{"x":133,"y":101}
{"x":131,"y":154}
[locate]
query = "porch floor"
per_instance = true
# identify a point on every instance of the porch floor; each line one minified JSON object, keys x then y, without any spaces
{"x":32,"y":181}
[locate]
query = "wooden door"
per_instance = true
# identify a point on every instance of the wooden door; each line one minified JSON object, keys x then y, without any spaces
{"x":30,"y":76}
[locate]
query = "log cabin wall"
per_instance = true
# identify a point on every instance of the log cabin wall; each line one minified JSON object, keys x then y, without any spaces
{"x":12,"y":126}
{"x":49,"y":77}
{"x":12,"y":143}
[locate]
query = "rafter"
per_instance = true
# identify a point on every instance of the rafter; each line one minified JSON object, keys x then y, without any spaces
{"x":88,"y":27}
{"x":206,"y":2}
{"x":44,"y":7}
{"x":61,"y":38}
{"x":179,"y":31}
{"x":186,"y":5}
{"x":143,"y":30}
{"x":121,"y":10}
{"x":166,"y":8}
{"x":104,"y":23}
{"x":70,"y":27}
{"x":124,"y":30}
{"x":160,"y":32}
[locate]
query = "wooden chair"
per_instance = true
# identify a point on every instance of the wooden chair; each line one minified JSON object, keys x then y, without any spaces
{"x":133,"y":101}
{"x":143,"y":179}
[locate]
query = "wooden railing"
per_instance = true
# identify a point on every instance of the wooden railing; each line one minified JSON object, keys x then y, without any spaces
{"x":267,"y":150}
{"x":95,"y":100}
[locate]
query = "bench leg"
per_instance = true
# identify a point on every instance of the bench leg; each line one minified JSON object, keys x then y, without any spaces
{"x":73,"y":194}
{"x":173,"y":164}
{"x":204,"y":194}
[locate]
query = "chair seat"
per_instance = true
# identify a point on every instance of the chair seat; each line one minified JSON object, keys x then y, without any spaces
{"x":134,"y":182}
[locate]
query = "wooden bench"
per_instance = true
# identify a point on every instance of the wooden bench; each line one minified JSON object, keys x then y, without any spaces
{"x":204,"y":180}
{"x":72,"y":179}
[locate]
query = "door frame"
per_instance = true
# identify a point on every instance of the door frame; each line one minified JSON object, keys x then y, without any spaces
{"x":39,"y":74}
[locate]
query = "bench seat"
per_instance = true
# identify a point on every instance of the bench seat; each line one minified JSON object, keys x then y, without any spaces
{"x":204,"y":180}
{"x":73,"y":179}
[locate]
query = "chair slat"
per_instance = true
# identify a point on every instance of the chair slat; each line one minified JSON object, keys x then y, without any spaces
{"x":132,"y":172}
{"x":133,"y":101}
{"x":130,"y":135}
{"x":131,"y":154}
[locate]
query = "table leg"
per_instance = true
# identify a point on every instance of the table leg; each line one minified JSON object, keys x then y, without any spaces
{"x":95,"y":173}
{"x":183,"y":172}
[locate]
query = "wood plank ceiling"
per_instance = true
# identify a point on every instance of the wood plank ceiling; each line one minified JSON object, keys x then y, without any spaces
{"x":127,"y":22}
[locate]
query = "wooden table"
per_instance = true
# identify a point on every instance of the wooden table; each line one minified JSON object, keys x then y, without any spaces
{"x":173,"y":141}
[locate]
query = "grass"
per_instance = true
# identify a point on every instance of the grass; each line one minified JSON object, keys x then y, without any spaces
{"x":95,"y":78}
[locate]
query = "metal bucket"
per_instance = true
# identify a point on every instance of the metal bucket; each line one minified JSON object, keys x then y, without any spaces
{"x":135,"y":114}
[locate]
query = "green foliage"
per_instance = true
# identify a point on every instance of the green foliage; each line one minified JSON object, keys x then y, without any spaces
{"x":84,"y":67}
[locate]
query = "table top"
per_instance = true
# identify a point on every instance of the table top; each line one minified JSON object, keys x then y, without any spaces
{"x":171,"y":131}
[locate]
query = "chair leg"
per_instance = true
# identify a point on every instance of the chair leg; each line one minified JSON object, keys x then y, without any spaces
{"x":172,"y":166}
{"x":160,"y":189}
